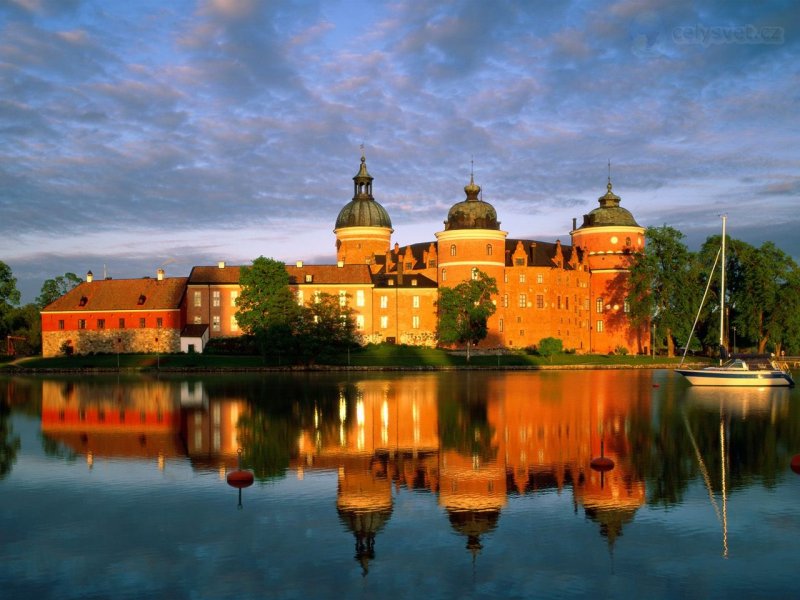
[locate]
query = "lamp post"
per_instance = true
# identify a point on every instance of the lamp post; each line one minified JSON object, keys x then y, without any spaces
{"x":734,"y":339}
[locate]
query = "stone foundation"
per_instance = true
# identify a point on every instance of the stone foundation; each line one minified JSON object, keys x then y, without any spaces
{"x":111,"y":341}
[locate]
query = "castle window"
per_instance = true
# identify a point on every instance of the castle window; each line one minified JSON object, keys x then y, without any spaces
{"x":61,"y":324}
{"x":444,"y":274}
{"x":359,"y":321}
{"x":539,"y":278}
{"x":215,"y":298}
{"x":197,"y":320}
{"x":452,"y":250}
{"x":160,"y":322}
{"x":522,"y":277}
{"x":142,"y":299}
{"x":384,"y":322}
{"x":415,"y":301}
{"x":122,"y":324}
{"x":474,"y":273}
{"x":215,"y":323}
{"x":101,"y":323}
{"x":300,"y":297}
{"x":83,"y":301}
{"x":414,"y":282}
{"x":599,"y":305}
{"x":384,"y":301}
{"x":309,"y":278}
{"x":523,"y":300}
{"x":198,"y":299}
{"x":626,"y":306}
{"x":566,"y":302}
{"x":627,"y":241}
{"x":558,"y":302}
{"x":390,"y":283}
{"x":539,"y":301}
{"x":342,"y":298}
{"x":488,"y":249}
{"x":599,"y":327}
{"x":409,"y":265}
{"x":234,"y":296}
{"x":81,"y":323}
{"x":505,"y":300}
{"x":359,"y":297}
{"x":431,"y":263}
{"x":519,"y":262}
{"x":415,"y":322}
{"x":500,"y":325}
{"x":142,"y":323}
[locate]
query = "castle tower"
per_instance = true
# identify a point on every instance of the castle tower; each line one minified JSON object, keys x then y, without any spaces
{"x":610,"y":236}
{"x":363,"y":227}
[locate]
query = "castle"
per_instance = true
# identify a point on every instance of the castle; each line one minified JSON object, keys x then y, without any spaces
{"x":575,"y":293}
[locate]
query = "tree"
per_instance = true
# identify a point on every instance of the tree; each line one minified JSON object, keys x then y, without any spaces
{"x":9,"y":296}
{"x":465,"y":309}
{"x":763,"y":290}
{"x":53,"y":289}
{"x":267,"y":307}
{"x":326,"y":324}
{"x":664,"y":286}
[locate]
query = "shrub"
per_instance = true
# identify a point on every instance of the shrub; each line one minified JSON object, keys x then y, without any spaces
{"x":549,"y":346}
{"x":621,"y":350}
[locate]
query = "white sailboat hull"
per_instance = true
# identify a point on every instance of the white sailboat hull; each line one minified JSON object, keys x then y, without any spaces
{"x":719,"y":376}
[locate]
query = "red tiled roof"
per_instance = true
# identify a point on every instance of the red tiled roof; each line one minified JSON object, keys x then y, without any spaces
{"x":122,"y":294}
{"x":330,"y":274}
{"x":211,"y":275}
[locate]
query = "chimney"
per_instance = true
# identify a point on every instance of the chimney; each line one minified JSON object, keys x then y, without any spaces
{"x":299,"y":264}
{"x":221,"y":264}
{"x":574,"y":223}
{"x":340,"y":264}
{"x":160,"y":274}
{"x":89,"y":277}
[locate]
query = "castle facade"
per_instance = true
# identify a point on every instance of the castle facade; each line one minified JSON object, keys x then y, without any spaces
{"x":576,"y":293}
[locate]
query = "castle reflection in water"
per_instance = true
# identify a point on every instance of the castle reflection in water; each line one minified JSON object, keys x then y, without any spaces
{"x":469,"y":439}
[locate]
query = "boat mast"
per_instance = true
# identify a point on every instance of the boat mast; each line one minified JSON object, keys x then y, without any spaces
{"x":722,"y":295}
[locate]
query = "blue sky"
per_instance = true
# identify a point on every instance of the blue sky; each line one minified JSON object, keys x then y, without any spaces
{"x":142,"y":134}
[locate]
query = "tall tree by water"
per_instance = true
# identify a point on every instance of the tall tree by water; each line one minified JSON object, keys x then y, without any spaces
{"x":465,"y":309}
{"x":9,"y":296}
{"x":664,"y":286}
{"x":53,"y":289}
{"x":267,"y":307}
{"x":764,"y":296}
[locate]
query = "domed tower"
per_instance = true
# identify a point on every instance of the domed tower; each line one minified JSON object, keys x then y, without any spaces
{"x":609,"y":236}
{"x":363,"y":227}
{"x":471,"y":240}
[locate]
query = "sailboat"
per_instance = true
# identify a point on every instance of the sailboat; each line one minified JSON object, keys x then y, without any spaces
{"x":755,"y":370}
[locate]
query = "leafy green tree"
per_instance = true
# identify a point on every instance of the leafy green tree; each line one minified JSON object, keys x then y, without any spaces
{"x":267,"y":307}
{"x":465,"y":309}
{"x":326,"y":325}
{"x":764,"y":291}
{"x":664,"y":286}
{"x":53,"y":289}
{"x":25,"y":322}
{"x":550,"y":346}
{"x":9,"y":296}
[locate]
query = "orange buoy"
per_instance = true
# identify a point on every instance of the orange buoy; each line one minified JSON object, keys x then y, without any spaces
{"x":240,"y":479}
{"x":656,"y":385}
{"x":796,"y":463}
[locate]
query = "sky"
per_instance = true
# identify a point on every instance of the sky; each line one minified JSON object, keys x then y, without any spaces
{"x":139,"y":135}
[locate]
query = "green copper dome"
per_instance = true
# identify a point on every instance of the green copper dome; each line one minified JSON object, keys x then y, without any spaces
{"x":609,"y":213}
{"x":363,"y":210}
{"x":472,"y":213}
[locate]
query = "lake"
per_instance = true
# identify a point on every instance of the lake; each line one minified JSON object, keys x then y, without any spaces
{"x":458,"y":484}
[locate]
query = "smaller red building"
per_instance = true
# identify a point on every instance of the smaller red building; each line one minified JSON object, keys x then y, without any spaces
{"x":116,"y":315}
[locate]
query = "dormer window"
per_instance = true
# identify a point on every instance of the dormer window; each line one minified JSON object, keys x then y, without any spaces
{"x":142,"y":299}
{"x":83,"y":301}
{"x":390,"y":282}
{"x":309,"y":278}
{"x":413,"y":282}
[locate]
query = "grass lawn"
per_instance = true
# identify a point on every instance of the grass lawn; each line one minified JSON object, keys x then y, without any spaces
{"x":383,"y":355}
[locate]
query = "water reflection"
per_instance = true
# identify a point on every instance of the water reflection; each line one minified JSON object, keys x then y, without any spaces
{"x":468,"y":441}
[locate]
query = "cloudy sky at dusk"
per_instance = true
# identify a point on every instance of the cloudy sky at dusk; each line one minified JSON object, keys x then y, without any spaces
{"x":140,"y":134}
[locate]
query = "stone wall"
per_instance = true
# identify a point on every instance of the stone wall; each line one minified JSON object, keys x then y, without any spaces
{"x":112,"y":341}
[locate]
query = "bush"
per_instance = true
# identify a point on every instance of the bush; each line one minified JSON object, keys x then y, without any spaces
{"x":621,"y":350}
{"x":549,"y":346}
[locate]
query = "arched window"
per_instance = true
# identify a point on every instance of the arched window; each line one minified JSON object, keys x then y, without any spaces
{"x":488,"y":249}
{"x":452,"y":250}
{"x":627,"y":241}
{"x":444,"y":274}
{"x":599,"y":305}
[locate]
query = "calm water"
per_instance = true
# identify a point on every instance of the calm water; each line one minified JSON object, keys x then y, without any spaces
{"x":436,"y":485}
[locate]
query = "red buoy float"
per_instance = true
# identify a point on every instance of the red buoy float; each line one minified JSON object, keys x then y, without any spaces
{"x":240,"y":479}
{"x":796,"y":463}
{"x":602,"y":464}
